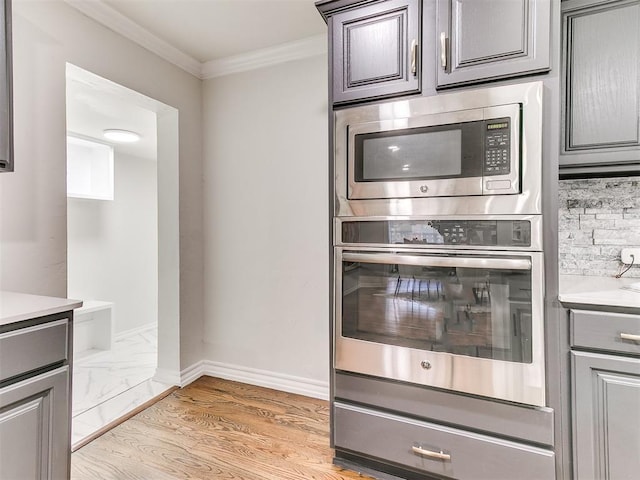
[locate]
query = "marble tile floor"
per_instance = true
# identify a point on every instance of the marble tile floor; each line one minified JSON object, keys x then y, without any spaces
{"x":110,"y":384}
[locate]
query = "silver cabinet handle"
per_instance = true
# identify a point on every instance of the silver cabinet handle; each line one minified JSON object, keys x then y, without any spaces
{"x":629,"y":336}
{"x":443,"y":50}
{"x":414,"y":57}
{"x":433,"y":261}
{"x":431,"y":454}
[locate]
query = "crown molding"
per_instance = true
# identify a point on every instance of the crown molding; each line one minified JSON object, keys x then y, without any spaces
{"x":264,"y":57}
{"x":111,"y":18}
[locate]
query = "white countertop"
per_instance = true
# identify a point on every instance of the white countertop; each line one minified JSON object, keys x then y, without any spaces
{"x":603,"y":291}
{"x":15,"y":307}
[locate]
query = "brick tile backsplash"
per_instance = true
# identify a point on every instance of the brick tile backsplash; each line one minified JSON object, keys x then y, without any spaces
{"x":597,"y":219}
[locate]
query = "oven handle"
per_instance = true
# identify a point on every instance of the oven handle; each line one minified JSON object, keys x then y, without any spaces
{"x":430,"y":261}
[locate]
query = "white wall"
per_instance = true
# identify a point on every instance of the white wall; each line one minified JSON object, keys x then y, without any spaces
{"x":266,"y":220}
{"x":113,"y":245}
{"x":47,"y":34}
{"x":264,"y":295}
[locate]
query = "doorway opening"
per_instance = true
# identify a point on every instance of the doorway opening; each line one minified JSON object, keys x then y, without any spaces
{"x":122,"y":250}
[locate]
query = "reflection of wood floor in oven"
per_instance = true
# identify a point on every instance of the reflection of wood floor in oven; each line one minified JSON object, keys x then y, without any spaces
{"x":388,"y":314}
{"x":417,"y":317}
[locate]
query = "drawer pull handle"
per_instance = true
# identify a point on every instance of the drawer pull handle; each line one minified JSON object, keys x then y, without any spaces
{"x":430,"y":453}
{"x":414,"y":57}
{"x":629,"y":336}
{"x":443,"y":51}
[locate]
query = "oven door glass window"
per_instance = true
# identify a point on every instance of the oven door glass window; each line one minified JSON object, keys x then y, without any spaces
{"x":479,"y":308}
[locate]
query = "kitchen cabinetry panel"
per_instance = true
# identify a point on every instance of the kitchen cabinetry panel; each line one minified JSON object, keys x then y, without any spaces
{"x":601,"y":78}
{"x":28,"y":349}
{"x":375,"y":51}
{"x":34,"y":427}
{"x":35,"y":391}
{"x":436,"y":449}
{"x":6,"y":116}
{"x":483,"y":40}
{"x":612,"y":332}
{"x":508,"y":420}
{"x":606,"y":395}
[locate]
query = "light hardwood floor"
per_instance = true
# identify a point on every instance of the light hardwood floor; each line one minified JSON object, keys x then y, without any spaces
{"x":217,"y":429}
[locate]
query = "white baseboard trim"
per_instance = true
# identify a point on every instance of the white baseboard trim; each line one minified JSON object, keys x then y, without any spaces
{"x":192,"y":373}
{"x":253,"y":376}
{"x":135,"y":331}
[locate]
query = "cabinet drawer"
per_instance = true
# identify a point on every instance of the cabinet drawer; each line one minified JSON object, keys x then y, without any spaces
{"x":427,"y":447}
{"x":27,"y":349}
{"x":616,"y":332}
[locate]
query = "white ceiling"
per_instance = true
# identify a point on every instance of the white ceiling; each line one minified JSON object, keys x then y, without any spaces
{"x":213,"y":29}
{"x":209,"y":38}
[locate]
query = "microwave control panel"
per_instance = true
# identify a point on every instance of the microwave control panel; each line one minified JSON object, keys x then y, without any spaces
{"x":497,"y":159}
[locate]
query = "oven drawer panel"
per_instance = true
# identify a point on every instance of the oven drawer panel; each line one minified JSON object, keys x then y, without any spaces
{"x":28,"y":349}
{"x":615,"y":332}
{"x":519,"y":422}
{"x":427,"y":447}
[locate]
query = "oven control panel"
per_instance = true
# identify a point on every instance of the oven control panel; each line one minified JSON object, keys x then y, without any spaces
{"x":484,"y":233}
{"x":455,"y":233}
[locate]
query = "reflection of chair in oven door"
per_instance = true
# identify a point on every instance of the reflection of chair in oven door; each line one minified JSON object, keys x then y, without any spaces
{"x":423,"y":277}
{"x":432,"y":280}
{"x":482,"y":293}
{"x":406,"y":272}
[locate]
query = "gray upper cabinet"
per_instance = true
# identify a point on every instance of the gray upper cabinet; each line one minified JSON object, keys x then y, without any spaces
{"x":601,"y":87}
{"x":6,"y":116}
{"x":483,"y":40}
{"x":375,"y":51}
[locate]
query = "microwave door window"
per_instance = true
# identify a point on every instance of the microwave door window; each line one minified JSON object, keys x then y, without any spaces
{"x":403,"y":156}
{"x":475,"y":312}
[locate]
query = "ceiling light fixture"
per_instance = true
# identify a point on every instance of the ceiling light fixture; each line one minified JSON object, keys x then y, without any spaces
{"x":121,"y":136}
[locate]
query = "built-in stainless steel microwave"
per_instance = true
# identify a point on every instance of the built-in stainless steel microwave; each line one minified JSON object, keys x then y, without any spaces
{"x":480,"y":144}
{"x":467,"y":152}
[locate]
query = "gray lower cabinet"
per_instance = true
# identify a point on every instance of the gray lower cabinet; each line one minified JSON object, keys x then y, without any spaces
{"x":432,"y":449}
{"x":375,"y":51}
{"x":483,"y":40}
{"x":605,"y":395}
{"x":35,"y":399}
{"x":601,"y":87}
{"x":34,"y":435}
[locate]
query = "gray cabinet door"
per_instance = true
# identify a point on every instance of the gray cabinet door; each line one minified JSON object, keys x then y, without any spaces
{"x":34,"y":428}
{"x":601,"y":79}
{"x":606,"y":416}
{"x":491,"y":39}
{"x":375,"y":51}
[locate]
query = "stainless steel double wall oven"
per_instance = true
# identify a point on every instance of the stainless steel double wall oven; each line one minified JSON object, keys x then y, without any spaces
{"x":438,"y":242}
